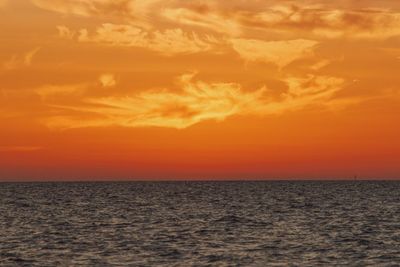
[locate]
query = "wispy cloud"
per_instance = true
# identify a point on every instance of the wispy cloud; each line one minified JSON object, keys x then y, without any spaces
{"x":92,"y":7}
{"x":65,"y":32}
{"x":134,"y":11}
{"x":202,"y":17}
{"x":107,"y":80}
{"x":234,"y":18}
{"x":317,"y":19}
{"x":47,"y":91}
{"x":21,"y":60}
{"x":196,"y":102}
{"x":167,"y":42}
{"x":325,"y":21}
{"x":280,"y":53}
{"x":175,"y":41}
{"x":305,"y":92}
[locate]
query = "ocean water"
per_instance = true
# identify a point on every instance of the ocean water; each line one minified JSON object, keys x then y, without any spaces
{"x":200,"y":224}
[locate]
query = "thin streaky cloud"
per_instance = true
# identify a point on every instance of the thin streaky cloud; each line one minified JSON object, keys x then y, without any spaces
{"x":21,"y":60}
{"x":199,"y":101}
{"x":168,"y":42}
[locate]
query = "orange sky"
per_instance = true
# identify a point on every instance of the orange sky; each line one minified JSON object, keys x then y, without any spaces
{"x":174,"y":89}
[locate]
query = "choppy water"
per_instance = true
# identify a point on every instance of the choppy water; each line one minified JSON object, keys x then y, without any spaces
{"x":200,"y":223}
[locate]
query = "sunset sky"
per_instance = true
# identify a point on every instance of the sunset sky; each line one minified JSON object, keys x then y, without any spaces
{"x":174,"y":89}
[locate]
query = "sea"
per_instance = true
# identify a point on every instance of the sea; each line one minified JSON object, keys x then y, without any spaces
{"x":286,"y":223}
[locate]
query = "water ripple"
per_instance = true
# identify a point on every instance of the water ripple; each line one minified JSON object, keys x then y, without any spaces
{"x":200,"y":224}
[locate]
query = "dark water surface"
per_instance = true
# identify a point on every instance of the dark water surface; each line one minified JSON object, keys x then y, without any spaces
{"x":200,"y":224}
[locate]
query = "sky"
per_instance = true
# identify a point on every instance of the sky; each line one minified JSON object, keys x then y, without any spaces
{"x":174,"y":89}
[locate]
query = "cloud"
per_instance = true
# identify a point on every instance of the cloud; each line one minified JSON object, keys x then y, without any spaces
{"x":237,"y":18}
{"x":134,"y":11}
{"x":47,"y":91}
{"x":320,"y":64}
{"x":65,"y":32}
{"x":203,"y":18}
{"x":175,"y":41}
{"x":281,"y":53}
{"x":305,"y":92}
{"x":168,"y":42}
{"x":107,"y":80}
{"x":324,"y":21}
{"x":317,"y":19}
{"x":28,"y":57}
{"x":77,"y":90}
{"x":198,"y":101}
{"x":19,"y":61}
{"x":127,"y":8}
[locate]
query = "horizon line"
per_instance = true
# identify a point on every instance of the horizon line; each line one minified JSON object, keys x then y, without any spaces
{"x":199,"y":180}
